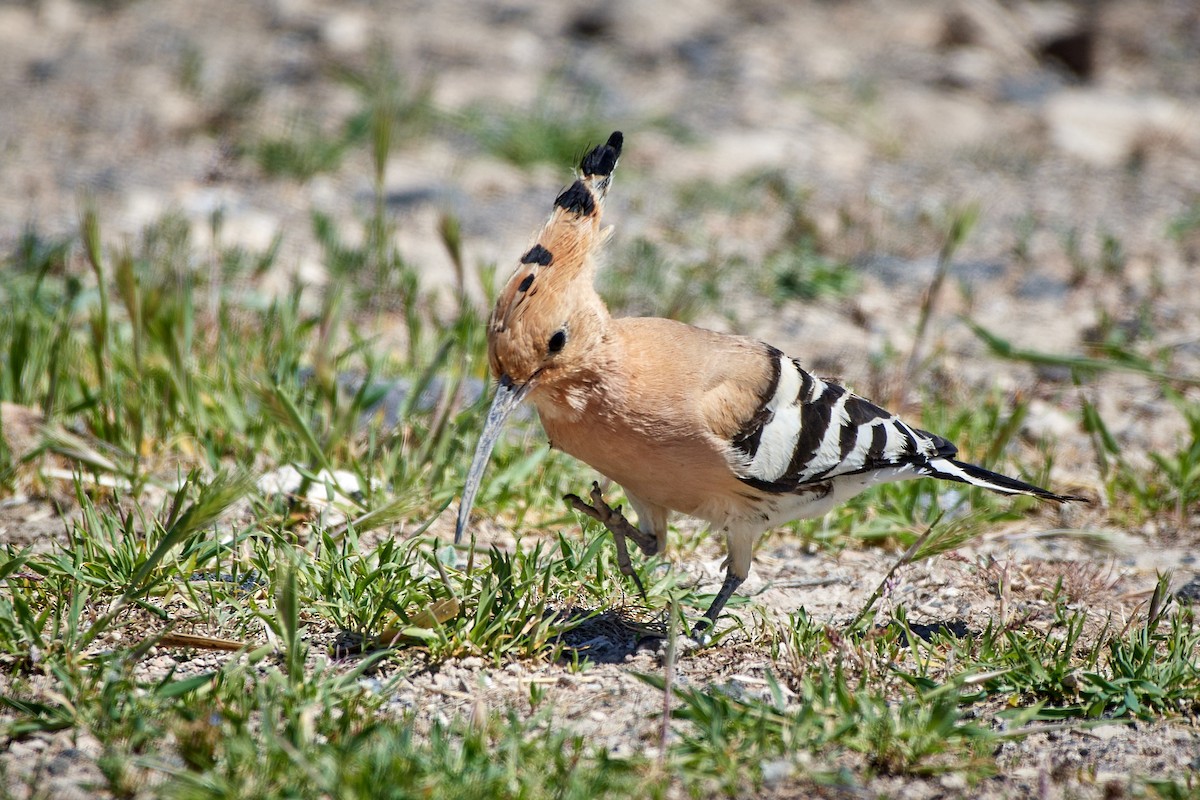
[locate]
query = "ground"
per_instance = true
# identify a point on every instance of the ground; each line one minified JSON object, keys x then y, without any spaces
{"x":873,"y":188}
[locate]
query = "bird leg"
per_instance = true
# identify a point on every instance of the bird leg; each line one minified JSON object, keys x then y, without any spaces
{"x":709,"y":620}
{"x":620,"y":528}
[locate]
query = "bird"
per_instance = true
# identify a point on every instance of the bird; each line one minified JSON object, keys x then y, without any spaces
{"x":716,"y":426}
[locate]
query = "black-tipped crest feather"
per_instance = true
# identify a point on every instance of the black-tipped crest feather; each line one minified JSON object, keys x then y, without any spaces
{"x":602,"y":159}
{"x":576,"y":198}
{"x":538,"y":255}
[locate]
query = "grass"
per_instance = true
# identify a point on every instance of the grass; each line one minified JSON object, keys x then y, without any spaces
{"x":556,"y":129}
{"x":155,"y":396}
{"x":219,"y":554}
{"x":393,"y":109}
{"x":144,"y":388}
{"x":835,"y":696}
{"x":792,"y":265}
{"x":643,"y":281}
{"x":1170,"y":490}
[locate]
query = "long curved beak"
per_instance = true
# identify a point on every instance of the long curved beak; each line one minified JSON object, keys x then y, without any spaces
{"x":508,"y":396}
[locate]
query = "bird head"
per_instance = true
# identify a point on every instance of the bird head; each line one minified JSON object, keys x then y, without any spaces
{"x":548,"y":317}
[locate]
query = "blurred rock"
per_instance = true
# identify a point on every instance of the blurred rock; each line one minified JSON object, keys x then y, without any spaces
{"x":333,"y":495}
{"x":777,"y":771}
{"x":1046,"y":421}
{"x":62,"y":16}
{"x":17,"y":25}
{"x":970,"y":67}
{"x":934,"y":120}
{"x":1190,"y":592}
{"x":1074,"y":51}
{"x":591,"y":23}
{"x":346,"y":33}
{"x":991,"y":26}
{"x":21,"y":429}
{"x":1106,"y":128}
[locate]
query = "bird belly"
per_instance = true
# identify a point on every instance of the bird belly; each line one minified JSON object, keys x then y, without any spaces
{"x":685,"y":474}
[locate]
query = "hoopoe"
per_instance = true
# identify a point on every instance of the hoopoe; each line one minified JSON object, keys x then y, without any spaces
{"x":720,"y":427}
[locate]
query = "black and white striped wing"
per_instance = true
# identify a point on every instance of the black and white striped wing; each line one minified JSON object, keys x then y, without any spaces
{"x":810,"y":431}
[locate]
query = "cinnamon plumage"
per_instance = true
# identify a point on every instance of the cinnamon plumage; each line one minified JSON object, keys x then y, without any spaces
{"x":724,"y":428}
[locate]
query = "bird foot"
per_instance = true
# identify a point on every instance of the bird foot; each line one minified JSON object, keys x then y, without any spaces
{"x":702,"y":632}
{"x":612,"y":518}
{"x":619,"y":527}
{"x":705,"y":626}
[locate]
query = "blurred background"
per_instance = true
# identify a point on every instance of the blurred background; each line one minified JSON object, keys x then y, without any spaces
{"x":806,"y":172}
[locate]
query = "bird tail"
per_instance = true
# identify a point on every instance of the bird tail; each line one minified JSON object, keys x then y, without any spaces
{"x":951,"y":469}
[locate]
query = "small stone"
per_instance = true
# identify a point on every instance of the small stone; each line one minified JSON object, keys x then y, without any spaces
{"x":775,"y":772}
{"x":17,"y":24}
{"x":1047,"y":421}
{"x":1189,"y":592}
{"x":1106,"y":128}
{"x":1107,"y":732}
{"x":346,"y":33}
{"x":954,"y":781}
{"x":62,"y":16}
{"x":63,"y":761}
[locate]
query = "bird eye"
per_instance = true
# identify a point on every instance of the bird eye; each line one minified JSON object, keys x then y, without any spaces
{"x":557,"y":342}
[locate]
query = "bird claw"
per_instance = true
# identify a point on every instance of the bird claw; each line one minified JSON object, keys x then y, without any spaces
{"x":612,"y":518}
{"x":618,"y":526}
{"x":702,"y":631}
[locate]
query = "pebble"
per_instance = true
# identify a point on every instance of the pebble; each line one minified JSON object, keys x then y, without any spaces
{"x":17,"y":24}
{"x":775,"y":772}
{"x":1106,"y":128}
{"x":21,"y":750}
{"x":1106,"y":732}
{"x":346,"y":33}
{"x":954,"y":781}
{"x":160,"y":664}
{"x":64,"y":761}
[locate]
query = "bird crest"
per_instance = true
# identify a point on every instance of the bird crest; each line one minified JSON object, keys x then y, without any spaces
{"x":562,"y":251}
{"x":552,"y":285}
